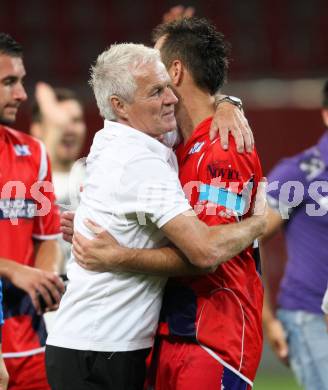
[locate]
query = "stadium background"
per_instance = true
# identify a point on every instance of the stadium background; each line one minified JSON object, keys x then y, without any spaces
{"x":279,"y":62}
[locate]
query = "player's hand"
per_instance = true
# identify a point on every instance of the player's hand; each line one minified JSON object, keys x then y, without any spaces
{"x":230,"y":119}
{"x":4,"y":377}
{"x":67,"y":225}
{"x":178,"y":12}
{"x":101,"y":254}
{"x":54,"y":118}
{"x":38,"y":283}
{"x":277,"y":339}
{"x":52,"y":114}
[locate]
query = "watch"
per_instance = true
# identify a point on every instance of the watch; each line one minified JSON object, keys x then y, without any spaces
{"x":230,"y":99}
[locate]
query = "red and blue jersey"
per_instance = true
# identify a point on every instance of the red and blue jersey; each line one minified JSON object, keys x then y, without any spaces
{"x":27,"y":213}
{"x":221,"y":310}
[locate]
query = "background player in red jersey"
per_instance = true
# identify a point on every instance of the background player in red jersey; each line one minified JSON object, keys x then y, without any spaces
{"x":211,"y":330}
{"x":29,"y":223}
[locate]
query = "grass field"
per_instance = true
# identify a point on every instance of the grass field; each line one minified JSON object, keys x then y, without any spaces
{"x":270,"y":382}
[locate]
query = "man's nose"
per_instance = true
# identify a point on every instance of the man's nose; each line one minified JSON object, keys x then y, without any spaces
{"x":170,"y":97}
{"x":20,"y":93}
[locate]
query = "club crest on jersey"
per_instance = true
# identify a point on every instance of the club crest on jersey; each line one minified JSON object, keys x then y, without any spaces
{"x":196,"y":148}
{"x":22,"y":150}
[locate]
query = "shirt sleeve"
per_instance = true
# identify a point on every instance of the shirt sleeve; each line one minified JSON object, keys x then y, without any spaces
{"x":151,"y":188}
{"x":47,"y":221}
{"x":286,"y":186}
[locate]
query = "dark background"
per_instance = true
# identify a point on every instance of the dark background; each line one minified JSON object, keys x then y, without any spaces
{"x":274,"y":39}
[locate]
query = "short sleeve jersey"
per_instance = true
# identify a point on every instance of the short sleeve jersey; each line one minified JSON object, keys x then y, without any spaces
{"x":27,"y":212}
{"x":221,"y":310}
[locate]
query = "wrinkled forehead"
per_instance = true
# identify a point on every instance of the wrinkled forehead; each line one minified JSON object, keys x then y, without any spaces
{"x":150,"y":74}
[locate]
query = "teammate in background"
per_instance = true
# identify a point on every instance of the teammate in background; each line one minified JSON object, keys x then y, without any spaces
{"x":210,"y":331}
{"x":297,"y":331}
{"x":29,"y":223}
{"x":58,"y":120}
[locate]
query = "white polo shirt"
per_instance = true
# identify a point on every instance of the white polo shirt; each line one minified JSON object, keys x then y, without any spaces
{"x":131,"y":189}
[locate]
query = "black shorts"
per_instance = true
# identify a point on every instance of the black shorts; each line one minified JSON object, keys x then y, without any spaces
{"x":71,"y":369}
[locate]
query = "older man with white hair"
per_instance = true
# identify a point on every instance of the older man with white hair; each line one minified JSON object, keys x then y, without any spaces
{"x":106,"y":321}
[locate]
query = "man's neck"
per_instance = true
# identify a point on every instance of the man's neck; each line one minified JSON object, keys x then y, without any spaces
{"x":59,"y":166}
{"x":195,"y":105}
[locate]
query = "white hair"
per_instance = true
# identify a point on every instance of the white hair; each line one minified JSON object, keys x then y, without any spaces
{"x":114,"y":73}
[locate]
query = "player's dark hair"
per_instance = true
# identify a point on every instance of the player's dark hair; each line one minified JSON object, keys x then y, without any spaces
{"x":62,"y":95}
{"x":325,"y":95}
{"x":199,"y":46}
{"x":9,"y":46}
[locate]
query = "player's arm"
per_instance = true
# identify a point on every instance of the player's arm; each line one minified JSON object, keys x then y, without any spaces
{"x":104,"y":253}
{"x":46,"y":231}
{"x":281,"y":207}
{"x":200,"y":248}
{"x":272,"y":326}
{"x":48,"y":255}
{"x":32,"y":280}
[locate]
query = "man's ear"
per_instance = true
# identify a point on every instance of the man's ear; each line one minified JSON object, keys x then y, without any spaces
{"x":176,"y":72}
{"x":119,"y":107}
{"x":324,"y":114}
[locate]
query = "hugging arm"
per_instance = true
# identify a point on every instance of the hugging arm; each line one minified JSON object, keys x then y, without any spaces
{"x":199,"y":248}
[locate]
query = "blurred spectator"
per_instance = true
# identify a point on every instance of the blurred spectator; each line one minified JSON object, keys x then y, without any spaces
{"x":298,"y":195}
{"x":29,"y":223}
{"x":58,"y":120}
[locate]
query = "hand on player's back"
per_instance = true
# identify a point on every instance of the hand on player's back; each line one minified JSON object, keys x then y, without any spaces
{"x":228,"y":119}
{"x":101,"y":254}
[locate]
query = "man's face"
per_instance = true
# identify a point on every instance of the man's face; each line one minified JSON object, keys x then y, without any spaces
{"x":12,"y":92}
{"x":72,"y":138}
{"x":324,"y":113}
{"x":152,"y":110}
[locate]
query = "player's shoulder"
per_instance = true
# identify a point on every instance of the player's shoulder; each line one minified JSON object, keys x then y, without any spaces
{"x":213,"y":149}
{"x":129,"y":149}
{"x":305,"y":165}
{"x":24,"y":144}
{"x":21,"y":137}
